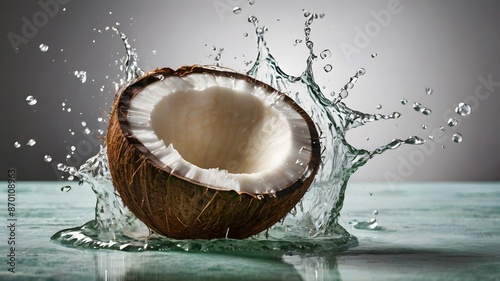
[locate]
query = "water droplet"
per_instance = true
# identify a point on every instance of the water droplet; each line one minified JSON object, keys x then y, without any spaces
{"x":375,"y":213}
{"x":81,"y":76}
{"x":328,"y":68}
{"x":361,"y":72}
{"x":374,"y":55}
{"x":417,"y":106}
{"x":252,"y":19}
{"x":44,"y":48}
{"x":404,"y":101}
{"x":154,"y":52}
{"x":251,"y":2}
{"x":414,"y":140}
{"x":424,"y":127}
{"x":322,"y":15}
{"x":47,"y":158}
{"x":325,"y":54}
{"x":86,"y":131}
{"x":84,"y":123}
{"x":457,"y":137}
{"x":306,"y":14}
{"x":452,"y":122}
{"x":429,"y":90}
{"x":463,"y":109}
{"x":371,"y":193}
{"x":66,"y":188}
{"x":431,"y":138}
{"x":31,"y":100}
{"x":61,"y":167}
{"x":236,"y":10}
{"x":245,"y":34}
{"x":73,"y":148}
{"x":426,"y":111}
{"x":17,"y":144}
{"x":31,"y":142}
{"x":343,"y":94}
{"x":69,"y":109}
{"x":379,"y":106}
{"x":442,"y":128}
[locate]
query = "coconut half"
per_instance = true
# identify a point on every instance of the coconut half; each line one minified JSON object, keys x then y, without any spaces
{"x":201,"y":153}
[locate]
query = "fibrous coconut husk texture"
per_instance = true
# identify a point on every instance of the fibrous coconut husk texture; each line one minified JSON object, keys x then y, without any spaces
{"x":177,"y":207}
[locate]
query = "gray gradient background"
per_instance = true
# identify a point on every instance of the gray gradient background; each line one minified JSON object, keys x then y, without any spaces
{"x":445,"y":45}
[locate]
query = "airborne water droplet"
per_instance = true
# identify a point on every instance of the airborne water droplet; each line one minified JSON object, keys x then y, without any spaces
{"x":236,"y":10}
{"x":47,"y":158}
{"x":44,"y":48}
{"x":325,"y":54}
{"x":426,"y":111}
{"x":17,"y":144}
{"x":252,"y":19}
{"x":452,"y":122}
{"x":457,"y":137}
{"x":328,"y":68}
{"x":61,"y":167}
{"x":361,"y":72}
{"x":375,"y":213}
{"x":429,"y":90}
{"x":31,"y":100}
{"x":31,"y":142}
{"x":463,"y":109}
{"x":417,"y":106}
{"x":84,"y":123}
{"x":442,"y":128}
{"x":379,"y":106}
{"x":87,"y":131}
{"x":66,"y":188}
{"x":404,"y":101}
{"x":424,"y":127}
{"x":374,"y":55}
{"x":251,"y":2}
{"x":81,"y":75}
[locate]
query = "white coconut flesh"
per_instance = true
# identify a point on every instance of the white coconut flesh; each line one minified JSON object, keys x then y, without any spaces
{"x":222,"y":132}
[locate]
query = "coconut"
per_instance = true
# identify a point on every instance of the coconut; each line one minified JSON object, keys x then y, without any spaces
{"x":203,"y":152}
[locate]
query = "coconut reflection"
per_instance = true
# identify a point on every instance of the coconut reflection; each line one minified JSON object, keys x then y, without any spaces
{"x":117,"y":265}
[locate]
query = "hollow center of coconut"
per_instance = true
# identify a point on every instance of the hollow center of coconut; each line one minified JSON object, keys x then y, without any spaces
{"x":223,"y":132}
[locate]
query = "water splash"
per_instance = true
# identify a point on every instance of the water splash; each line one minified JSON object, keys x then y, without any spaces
{"x":311,"y":226}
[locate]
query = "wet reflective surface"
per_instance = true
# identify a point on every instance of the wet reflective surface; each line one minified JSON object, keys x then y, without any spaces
{"x":427,"y":231}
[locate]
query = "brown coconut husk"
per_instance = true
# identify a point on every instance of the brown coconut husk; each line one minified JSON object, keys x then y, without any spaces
{"x":180,"y":208}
